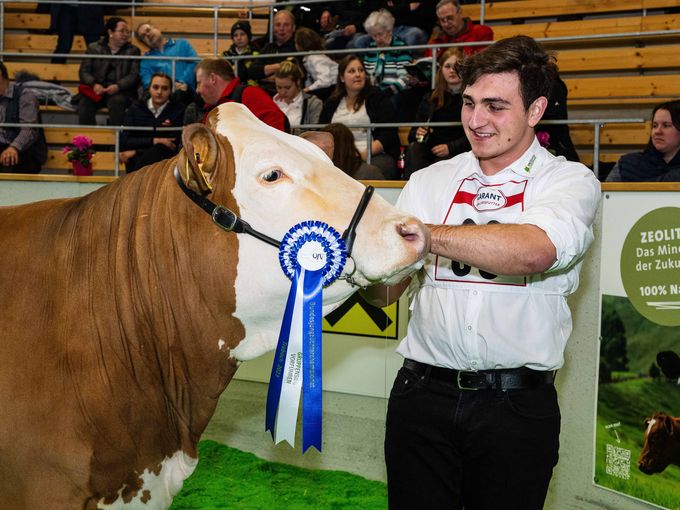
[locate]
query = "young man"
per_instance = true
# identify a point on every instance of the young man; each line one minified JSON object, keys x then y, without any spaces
{"x":217,"y":84}
{"x":454,"y":27}
{"x":473,"y":419}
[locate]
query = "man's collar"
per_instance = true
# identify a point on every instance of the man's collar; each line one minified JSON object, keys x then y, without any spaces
{"x":528,"y":164}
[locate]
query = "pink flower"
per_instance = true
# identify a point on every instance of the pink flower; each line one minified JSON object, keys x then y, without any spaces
{"x":81,"y":150}
{"x":543,"y":138}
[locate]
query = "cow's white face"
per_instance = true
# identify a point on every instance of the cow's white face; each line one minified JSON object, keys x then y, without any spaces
{"x":282,"y":180}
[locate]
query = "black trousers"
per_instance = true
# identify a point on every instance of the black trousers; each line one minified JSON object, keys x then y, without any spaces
{"x":447,"y":448}
{"x":116,"y":103}
{"x":26,"y":165}
{"x":144,"y":157}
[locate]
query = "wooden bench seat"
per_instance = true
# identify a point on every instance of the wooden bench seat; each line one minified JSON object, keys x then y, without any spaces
{"x":622,"y":90}
{"x":594,"y":60}
{"x":528,"y":9}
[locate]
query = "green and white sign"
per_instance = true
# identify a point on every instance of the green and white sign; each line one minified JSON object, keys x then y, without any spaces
{"x":650,"y":266}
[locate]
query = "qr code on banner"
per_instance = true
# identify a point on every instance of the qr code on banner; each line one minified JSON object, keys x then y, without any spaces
{"x":618,"y":462}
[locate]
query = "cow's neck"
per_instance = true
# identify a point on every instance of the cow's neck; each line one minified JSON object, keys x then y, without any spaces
{"x":173,"y":302}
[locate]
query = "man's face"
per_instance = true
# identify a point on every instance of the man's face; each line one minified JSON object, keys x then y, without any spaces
{"x":450,"y":19}
{"x":207,"y":87}
{"x":284,"y":28}
{"x":150,"y":35}
{"x":496,"y":123}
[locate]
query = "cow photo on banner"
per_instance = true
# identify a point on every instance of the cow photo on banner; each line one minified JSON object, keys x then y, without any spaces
{"x":638,"y":400}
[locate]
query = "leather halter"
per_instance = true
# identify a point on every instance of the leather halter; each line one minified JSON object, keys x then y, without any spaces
{"x":229,"y":221}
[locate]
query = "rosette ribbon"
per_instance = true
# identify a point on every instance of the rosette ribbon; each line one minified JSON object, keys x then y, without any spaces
{"x":312,"y":255}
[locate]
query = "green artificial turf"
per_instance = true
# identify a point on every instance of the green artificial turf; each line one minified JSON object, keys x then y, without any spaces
{"x":229,"y":478}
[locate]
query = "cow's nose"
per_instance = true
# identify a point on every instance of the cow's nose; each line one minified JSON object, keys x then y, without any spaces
{"x":415,"y":233}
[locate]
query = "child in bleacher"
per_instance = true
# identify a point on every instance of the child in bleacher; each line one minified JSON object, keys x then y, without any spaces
{"x":241,"y":35}
{"x":322,"y":71}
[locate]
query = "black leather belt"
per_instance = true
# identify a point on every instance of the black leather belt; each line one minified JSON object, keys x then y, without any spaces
{"x":501,"y":379}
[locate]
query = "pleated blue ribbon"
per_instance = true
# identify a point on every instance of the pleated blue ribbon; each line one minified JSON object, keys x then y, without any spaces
{"x":312,"y":255}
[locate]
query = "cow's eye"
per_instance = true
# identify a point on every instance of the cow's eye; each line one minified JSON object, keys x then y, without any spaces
{"x":272,"y":175}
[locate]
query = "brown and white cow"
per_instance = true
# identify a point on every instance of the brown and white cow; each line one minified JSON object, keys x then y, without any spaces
{"x":662,"y":444}
{"x":125,"y":313}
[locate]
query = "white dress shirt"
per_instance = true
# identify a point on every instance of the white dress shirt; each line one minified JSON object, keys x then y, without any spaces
{"x":464,"y":318}
{"x":293,"y":110}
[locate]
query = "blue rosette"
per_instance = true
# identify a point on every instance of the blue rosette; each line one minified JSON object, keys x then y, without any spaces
{"x":312,"y":255}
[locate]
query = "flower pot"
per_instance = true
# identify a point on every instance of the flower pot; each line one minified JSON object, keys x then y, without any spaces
{"x":80,"y":169}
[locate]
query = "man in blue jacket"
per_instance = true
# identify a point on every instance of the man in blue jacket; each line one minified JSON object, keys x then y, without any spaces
{"x":160,"y":46}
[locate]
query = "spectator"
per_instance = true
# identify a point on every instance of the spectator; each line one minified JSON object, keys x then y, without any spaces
{"x":22,"y":150}
{"x":386,"y":68}
{"x":346,"y":19}
{"x":413,"y":21}
{"x":660,"y":161}
{"x":241,"y":35}
{"x":300,"y":108}
{"x":216,"y":83}
{"x":70,"y":19}
{"x":322,"y":71}
{"x":109,"y":82}
{"x":161,"y":46}
{"x":141,"y":148}
{"x":264,"y":70}
{"x":429,"y":145}
{"x":346,"y":156}
{"x":556,"y":137}
{"x":454,"y":27}
{"x":355,"y":101}
{"x":322,"y":140}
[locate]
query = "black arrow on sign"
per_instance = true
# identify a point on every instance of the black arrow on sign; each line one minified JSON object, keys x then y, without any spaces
{"x":377,"y":315}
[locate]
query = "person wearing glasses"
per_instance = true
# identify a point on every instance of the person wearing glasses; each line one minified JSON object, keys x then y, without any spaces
{"x":160,"y":45}
{"x":108,"y":82}
{"x":454,"y":27}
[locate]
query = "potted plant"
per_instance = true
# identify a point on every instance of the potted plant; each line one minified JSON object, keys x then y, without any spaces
{"x":80,"y":154}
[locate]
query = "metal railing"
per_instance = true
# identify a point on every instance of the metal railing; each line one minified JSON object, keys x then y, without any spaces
{"x":597,"y":124}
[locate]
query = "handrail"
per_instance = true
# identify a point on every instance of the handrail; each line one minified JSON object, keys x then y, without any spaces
{"x":596,"y":123}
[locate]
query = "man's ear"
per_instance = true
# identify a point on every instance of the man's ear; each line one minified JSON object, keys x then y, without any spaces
{"x":199,"y":159}
{"x":536,"y":110}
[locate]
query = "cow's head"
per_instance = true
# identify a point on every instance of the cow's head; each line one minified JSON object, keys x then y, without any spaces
{"x":277,"y":181}
{"x":662,"y":444}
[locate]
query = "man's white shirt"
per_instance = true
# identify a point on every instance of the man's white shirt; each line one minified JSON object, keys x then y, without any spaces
{"x":469,"y":319}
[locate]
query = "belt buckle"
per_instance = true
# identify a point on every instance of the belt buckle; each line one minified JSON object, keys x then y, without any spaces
{"x":459,"y":383}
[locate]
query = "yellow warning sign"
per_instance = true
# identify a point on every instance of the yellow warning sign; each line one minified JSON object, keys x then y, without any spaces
{"x":356,"y":317}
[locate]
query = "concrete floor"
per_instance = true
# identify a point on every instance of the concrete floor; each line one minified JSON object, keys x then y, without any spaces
{"x":353,"y":430}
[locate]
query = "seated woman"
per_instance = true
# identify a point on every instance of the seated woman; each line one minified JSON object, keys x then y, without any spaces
{"x":386,"y":69}
{"x":141,"y":148}
{"x":322,"y":71}
{"x":110,"y":83}
{"x":429,"y":145}
{"x":299,"y":107}
{"x":355,"y":101}
{"x":346,"y":155}
{"x":660,"y":161}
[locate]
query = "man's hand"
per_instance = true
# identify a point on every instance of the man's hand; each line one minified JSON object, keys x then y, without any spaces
{"x":349,"y":30}
{"x":180,"y":85}
{"x":9,"y":157}
{"x":270,"y":70}
{"x":98,"y":89}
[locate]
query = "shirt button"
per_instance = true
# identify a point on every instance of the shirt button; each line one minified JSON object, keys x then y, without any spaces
{"x":474,"y":292}
{"x":469,"y":328}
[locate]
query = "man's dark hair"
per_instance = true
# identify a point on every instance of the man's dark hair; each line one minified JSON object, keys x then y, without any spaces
{"x":535,"y":67}
{"x":3,"y":71}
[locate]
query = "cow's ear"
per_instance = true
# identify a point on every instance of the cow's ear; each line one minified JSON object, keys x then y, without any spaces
{"x":200,"y":156}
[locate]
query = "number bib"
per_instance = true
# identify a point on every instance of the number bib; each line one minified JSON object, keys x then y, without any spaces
{"x":478,"y":203}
